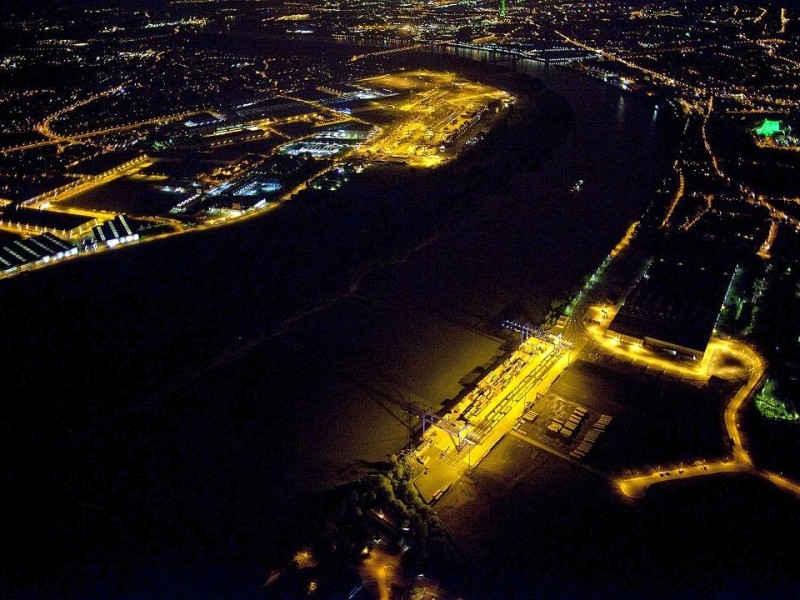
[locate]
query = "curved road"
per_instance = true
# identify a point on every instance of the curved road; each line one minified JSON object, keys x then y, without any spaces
{"x":741,"y":462}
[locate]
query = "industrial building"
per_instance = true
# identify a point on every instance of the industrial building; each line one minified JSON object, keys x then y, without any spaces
{"x":674,"y":306}
{"x":29,"y":221}
{"x":39,"y":249}
{"x":115,"y":231}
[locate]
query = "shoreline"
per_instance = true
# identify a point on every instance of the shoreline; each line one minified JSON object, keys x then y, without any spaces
{"x":207,"y":463}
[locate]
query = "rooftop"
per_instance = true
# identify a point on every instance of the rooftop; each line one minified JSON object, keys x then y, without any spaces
{"x":677,"y":300}
{"x":769,"y":128}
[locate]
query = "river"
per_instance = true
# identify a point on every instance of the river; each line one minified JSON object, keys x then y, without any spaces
{"x":174,"y":415}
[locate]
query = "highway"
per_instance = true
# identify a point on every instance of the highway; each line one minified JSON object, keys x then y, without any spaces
{"x":44,"y":126}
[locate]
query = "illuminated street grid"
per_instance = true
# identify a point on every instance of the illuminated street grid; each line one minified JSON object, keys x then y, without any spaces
{"x":430,"y":115}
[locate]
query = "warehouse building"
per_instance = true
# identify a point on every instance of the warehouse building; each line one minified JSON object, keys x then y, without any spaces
{"x":674,"y":306}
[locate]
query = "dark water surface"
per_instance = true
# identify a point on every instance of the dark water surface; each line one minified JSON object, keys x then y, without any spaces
{"x":161,"y":403}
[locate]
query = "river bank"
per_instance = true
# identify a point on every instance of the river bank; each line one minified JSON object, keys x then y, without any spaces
{"x":192,"y":389}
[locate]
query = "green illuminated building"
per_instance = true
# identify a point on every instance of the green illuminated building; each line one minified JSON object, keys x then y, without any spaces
{"x":773,"y":404}
{"x":769,"y":128}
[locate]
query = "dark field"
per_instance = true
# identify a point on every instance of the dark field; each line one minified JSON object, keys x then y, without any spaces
{"x":656,"y":420}
{"x":131,"y":195}
{"x":530,"y":523}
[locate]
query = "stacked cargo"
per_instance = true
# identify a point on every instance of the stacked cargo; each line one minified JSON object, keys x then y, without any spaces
{"x":591,"y":437}
{"x":530,"y":416}
{"x":554,"y":427}
{"x":603,"y":422}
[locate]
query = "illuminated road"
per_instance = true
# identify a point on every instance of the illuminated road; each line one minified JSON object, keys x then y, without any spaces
{"x":44,"y":200}
{"x":72,"y":139}
{"x":128,"y":126}
{"x":741,"y":462}
{"x":689,"y":223}
{"x":447,"y":456}
{"x":744,"y":95}
{"x":714,"y":160}
{"x":751,"y":369}
{"x":612,"y":57}
{"x":757,"y":370}
{"x":635,"y":487}
{"x":380,"y":572}
{"x":436,"y":109}
{"x":678,"y":195}
{"x":754,"y":198}
{"x":44,"y":126}
{"x":389,"y":51}
{"x":322,"y":108}
{"x":437,"y":90}
{"x":729,"y":359}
